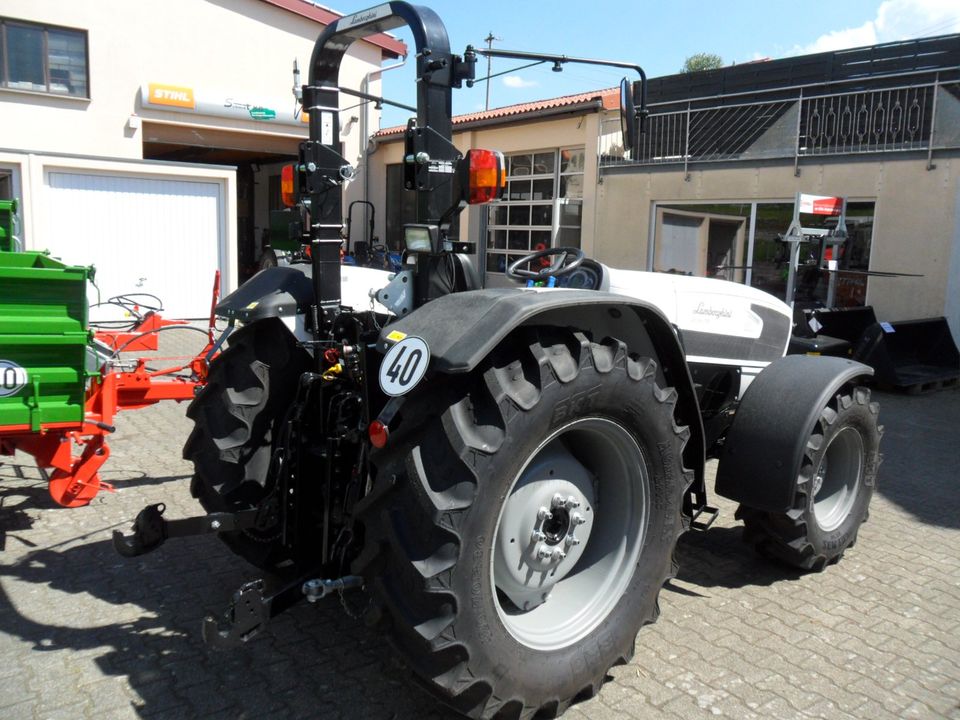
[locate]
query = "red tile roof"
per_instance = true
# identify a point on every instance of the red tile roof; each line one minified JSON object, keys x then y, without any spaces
{"x":324,"y":16}
{"x":609,"y":97}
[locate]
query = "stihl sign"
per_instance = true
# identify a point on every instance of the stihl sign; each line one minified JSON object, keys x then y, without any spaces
{"x":820,"y":204}
{"x":171,"y":95}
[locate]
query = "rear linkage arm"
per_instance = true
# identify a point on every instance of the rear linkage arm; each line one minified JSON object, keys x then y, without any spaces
{"x":150,"y":530}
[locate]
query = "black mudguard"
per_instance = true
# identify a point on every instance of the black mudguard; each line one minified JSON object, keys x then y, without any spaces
{"x":763,"y":450}
{"x":461,"y":329}
{"x":274,"y":292}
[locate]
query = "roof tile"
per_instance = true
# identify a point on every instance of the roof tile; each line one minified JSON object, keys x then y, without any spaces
{"x":610,"y":97}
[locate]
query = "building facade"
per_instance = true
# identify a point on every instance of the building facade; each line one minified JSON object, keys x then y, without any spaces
{"x":146,"y":138}
{"x":552,"y":158}
{"x":713,"y":187}
{"x":725,"y":153}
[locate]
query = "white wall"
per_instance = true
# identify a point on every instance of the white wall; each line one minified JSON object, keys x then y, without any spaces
{"x":241,"y":47}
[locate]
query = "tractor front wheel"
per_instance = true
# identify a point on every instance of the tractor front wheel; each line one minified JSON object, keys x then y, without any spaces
{"x":833,"y":490}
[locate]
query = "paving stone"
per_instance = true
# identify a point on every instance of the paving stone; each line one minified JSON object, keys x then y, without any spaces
{"x":86,"y":634}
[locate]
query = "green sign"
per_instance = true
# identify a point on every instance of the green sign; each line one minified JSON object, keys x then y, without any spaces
{"x":262,"y":113}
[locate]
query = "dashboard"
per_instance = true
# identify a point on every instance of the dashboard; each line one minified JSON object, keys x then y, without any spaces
{"x":589,"y":276}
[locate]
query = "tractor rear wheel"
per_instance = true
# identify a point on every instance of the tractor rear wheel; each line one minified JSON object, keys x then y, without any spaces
{"x":833,"y":490}
{"x":522,"y":522}
{"x":236,"y":420}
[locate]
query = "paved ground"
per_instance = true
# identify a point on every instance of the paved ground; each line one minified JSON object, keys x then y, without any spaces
{"x":85,"y":633}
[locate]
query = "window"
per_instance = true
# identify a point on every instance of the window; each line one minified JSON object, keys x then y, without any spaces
{"x":42,"y":58}
{"x":713,"y":240}
{"x":541,"y":207}
{"x":402,"y":209}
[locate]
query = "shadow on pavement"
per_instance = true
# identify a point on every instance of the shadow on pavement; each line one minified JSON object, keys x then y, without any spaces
{"x":920,"y":449}
{"x":720,"y":558}
{"x":313,"y":661}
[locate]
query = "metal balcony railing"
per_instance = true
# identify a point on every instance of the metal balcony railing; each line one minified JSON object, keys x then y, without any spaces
{"x":921,"y":116}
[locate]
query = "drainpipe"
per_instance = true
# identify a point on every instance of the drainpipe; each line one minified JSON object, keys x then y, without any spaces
{"x":365,"y":138}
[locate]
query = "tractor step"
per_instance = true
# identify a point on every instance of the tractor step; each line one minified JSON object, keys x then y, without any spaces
{"x":697,"y":524}
{"x":150,"y":530}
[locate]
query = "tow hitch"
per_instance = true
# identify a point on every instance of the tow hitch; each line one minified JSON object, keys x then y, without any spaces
{"x":150,"y":530}
{"x":251,"y":608}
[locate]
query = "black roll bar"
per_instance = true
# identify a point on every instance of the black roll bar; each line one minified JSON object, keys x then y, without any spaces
{"x":429,"y":153}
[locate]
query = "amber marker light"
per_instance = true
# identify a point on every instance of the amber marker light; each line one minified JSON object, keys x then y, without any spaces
{"x":287,"y":190}
{"x":488,"y":176}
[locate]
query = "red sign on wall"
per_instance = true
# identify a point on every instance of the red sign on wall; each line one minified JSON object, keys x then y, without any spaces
{"x":820,"y":204}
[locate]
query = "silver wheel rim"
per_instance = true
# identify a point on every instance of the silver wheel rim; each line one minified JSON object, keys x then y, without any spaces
{"x":837,"y":479}
{"x":569,"y":533}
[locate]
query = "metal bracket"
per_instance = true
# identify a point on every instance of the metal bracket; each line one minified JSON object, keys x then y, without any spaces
{"x":150,"y":530}
{"x":397,"y":296}
{"x":251,"y":609}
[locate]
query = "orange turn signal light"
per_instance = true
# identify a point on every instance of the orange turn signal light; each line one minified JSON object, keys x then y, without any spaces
{"x":288,"y":192}
{"x":487,"y":175}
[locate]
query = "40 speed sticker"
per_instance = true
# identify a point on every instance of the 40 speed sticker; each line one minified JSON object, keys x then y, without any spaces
{"x":12,"y":378}
{"x":404,"y":365}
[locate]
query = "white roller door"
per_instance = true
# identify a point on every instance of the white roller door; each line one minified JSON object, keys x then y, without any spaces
{"x":144,"y":234}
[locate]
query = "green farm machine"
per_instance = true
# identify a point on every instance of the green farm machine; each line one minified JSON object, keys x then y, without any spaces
{"x":61,"y":383}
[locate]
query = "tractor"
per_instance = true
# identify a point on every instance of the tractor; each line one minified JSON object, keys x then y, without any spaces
{"x":499,"y":475}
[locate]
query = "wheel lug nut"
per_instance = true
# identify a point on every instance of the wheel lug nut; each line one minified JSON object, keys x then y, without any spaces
{"x":544,"y":514}
{"x":537,"y":536}
{"x":573,"y":541}
{"x":558,"y":554}
{"x":571,"y":502}
{"x":577,"y":519}
{"x":558,"y":501}
{"x":543,"y":552}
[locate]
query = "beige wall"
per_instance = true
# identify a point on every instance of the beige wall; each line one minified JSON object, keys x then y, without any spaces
{"x":572,"y":131}
{"x":246,"y":47}
{"x":915,"y":229}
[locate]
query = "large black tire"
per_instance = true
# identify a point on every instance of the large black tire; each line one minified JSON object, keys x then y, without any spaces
{"x":833,"y":491}
{"x":250,"y":387}
{"x":268,"y":259}
{"x":440,"y":497}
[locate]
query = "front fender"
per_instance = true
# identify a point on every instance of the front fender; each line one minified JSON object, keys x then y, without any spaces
{"x":461,"y":329}
{"x":764,"y":447}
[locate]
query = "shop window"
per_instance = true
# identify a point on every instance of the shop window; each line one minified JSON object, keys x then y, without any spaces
{"x":541,"y":208}
{"x":42,"y":58}
{"x":713,"y":240}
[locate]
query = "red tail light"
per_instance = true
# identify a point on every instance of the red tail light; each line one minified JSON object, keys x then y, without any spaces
{"x":288,"y":192}
{"x":378,"y":433}
{"x":487,"y":175}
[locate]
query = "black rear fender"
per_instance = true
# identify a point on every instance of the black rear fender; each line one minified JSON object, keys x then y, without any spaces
{"x":462,"y":329}
{"x":280,"y":292}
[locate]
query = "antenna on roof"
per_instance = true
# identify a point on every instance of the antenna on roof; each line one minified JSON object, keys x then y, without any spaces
{"x":489,"y":41}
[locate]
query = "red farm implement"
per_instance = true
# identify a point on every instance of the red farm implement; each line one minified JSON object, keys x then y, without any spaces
{"x":61,"y":385}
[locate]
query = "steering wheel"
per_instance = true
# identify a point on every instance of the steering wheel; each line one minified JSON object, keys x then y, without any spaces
{"x":557,"y":267}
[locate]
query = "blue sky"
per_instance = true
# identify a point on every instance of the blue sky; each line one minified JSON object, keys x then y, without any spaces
{"x":656,"y":35}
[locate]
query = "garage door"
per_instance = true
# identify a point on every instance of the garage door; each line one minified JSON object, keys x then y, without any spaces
{"x":143,"y":234}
